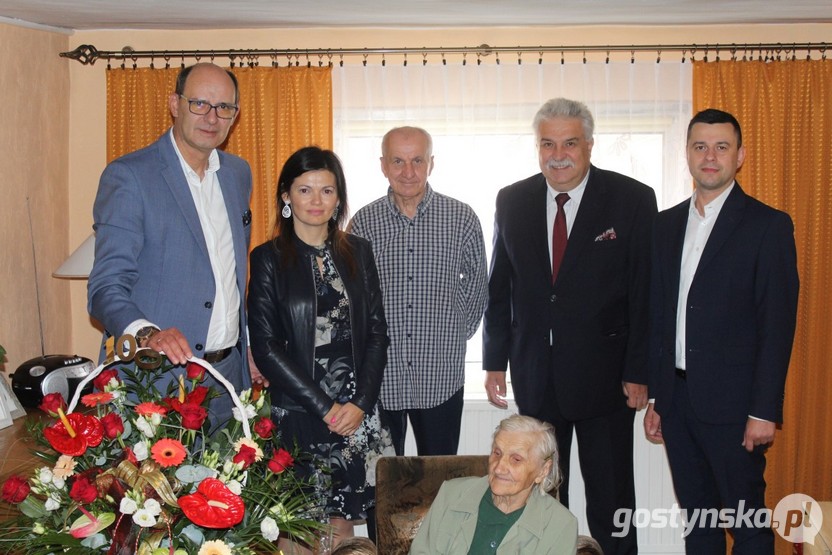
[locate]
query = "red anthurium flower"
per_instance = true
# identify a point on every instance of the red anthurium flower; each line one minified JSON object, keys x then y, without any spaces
{"x":51,"y":403}
{"x":193,"y":416}
{"x":16,"y":489}
{"x":195,"y":371}
{"x":83,"y":491}
{"x":101,"y":381}
{"x":213,"y":505}
{"x":83,"y":431}
{"x":113,"y":425}
{"x":246,"y":455}
{"x":264,"y":427}
{"x":281,"y":461}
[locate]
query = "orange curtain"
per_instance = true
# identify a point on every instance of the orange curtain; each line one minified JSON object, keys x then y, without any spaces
{"x":785,"y":110}
{"x":281,"y":110}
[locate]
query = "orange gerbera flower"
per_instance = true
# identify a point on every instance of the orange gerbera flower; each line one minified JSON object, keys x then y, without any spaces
{"x":168,"y":452}
{"x":94,"y":399}
{"x":149,"y":409}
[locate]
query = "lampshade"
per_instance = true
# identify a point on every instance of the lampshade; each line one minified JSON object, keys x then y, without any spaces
{"x":79,"y":263}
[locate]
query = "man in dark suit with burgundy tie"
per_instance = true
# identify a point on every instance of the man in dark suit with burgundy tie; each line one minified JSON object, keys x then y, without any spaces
{"x":723,"y":305}
{"x":568,"y":309}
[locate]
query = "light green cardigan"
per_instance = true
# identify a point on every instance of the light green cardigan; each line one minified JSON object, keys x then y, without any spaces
{"x":545,"y":528}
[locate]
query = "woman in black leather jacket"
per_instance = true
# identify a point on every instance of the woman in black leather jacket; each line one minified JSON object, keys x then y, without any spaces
{"x":319,"y":336}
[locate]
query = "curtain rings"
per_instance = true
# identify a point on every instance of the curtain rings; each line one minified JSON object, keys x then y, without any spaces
{"x":540,"y":58}
{"x":658,"y":56}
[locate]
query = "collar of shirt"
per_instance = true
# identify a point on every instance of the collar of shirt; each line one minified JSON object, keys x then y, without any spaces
{"x":713,"y":208}
{"x":423,"y":204}
{"x":190,"y":174}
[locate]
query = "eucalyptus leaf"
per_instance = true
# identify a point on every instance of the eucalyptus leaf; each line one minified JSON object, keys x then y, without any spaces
{"x":191,"y":474}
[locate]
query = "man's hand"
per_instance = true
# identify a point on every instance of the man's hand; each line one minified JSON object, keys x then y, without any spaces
{"x":653,"y":425}
{"x":758,"y":432}
{"x":171,"y":342}
{"x":636,"y":394}
{"x":495,"y":386}
{"x":256,"y":376}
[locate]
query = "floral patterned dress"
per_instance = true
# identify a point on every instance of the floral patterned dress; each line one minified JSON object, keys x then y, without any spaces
{"x":347,"y":483}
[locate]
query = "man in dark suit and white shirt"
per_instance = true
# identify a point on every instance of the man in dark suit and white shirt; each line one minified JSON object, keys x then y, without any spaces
{"x":568,"y":291}
{"x":723,"y":306}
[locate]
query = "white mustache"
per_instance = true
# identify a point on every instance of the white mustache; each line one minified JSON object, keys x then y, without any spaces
{"x":560,"y":164}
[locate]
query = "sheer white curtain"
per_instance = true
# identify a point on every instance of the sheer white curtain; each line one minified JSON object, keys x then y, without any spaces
{"x":480,"y":119}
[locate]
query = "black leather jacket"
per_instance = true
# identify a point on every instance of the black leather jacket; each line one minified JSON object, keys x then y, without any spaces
{"x":281,"y":321}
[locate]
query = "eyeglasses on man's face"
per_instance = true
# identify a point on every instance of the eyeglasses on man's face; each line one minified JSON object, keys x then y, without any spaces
{"x":200,"y":107}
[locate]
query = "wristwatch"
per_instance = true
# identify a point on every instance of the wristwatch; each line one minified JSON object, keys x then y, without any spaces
{"x":144,"y":335}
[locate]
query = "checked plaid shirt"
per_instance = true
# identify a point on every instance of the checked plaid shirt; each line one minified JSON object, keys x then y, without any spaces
{"x":435,"y":286}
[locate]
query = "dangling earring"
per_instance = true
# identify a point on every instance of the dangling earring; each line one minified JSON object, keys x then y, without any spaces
{"x":287,"y":211}
{"x":335,"y":213}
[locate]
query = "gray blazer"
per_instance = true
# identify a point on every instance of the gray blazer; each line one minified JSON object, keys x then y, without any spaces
{"x":151,"y":259}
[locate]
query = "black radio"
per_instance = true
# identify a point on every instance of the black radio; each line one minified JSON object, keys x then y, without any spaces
{"x":50,"y":374}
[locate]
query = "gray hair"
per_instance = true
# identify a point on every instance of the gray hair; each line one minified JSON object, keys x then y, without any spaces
{"x":406,"y":130}
{"x":545,"y":444}
{"x":565,"y":108}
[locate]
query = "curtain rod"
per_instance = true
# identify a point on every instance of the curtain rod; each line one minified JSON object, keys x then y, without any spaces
{"x":88,"y":54}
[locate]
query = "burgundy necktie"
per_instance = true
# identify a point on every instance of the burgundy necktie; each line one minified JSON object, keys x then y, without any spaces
{"x":559,"y":235}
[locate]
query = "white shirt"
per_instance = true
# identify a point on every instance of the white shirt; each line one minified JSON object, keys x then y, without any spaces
{"x":696,"y":237}
{"x":570,"y":209}
{"x":224,"y":328}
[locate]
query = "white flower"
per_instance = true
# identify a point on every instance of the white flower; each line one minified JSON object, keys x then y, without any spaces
{"x":143,"y":518}
{"x":214,"y":547}
{"x":235,"y":487}
{"x":45,"y":475}
{"x":153,"y":507}
{"x":140,"y":450}
{"x":39,"y":528}
{"x":250,"y":412}
{"x":145,"y":427}
{"x":128,"y":506}
{"x":53,"y":502}
{"x":269,"y":529}
{"x":58,"y":482}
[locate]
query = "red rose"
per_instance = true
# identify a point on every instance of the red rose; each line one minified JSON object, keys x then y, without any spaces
{"x":83,"y":491}
{"x":195,"y":371}
{"x":130,"y":456}
{"x":113,"y":425}
{"x":264,"y":428}
{"x":104,"y":378}
{"x":197,"y":396}
{"x":193,"y":416}
{"x":281,"y":461}
{"x":246,"y":455}
{"x":51,"y":403}
{"x":15,"y":489}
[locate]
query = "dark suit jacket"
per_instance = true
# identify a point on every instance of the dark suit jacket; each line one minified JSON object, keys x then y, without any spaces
{"x":151,"y":259}
{"x":596,"y":310}
{"x":741,"y":311}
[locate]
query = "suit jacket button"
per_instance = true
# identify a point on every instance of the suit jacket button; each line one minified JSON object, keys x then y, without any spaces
{"x":199,"y":346}
{"x":553,"y":298}
{"x":209,"y":304}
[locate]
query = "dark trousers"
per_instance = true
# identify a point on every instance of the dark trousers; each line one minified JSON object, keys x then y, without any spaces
{"x":605,"y":453}
{"x":436,"y":429}
{"x":712,"y":470}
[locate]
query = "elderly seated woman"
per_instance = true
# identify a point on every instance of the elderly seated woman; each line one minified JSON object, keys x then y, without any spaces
{"x":508,"y":511}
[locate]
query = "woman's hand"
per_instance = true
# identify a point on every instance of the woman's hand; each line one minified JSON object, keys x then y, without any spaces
{"x":346,"y":419}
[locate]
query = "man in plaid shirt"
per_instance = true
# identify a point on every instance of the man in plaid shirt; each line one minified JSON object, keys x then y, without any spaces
{"x":430,"y":255}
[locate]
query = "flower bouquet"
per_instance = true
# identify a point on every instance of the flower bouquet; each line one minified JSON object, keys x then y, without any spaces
{"x":136,"y":473}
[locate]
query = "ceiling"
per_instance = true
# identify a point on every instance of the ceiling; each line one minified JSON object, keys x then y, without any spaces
{"x":238,"y":14}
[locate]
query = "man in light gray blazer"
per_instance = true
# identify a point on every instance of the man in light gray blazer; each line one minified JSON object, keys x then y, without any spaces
{"x":172,"y":224}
